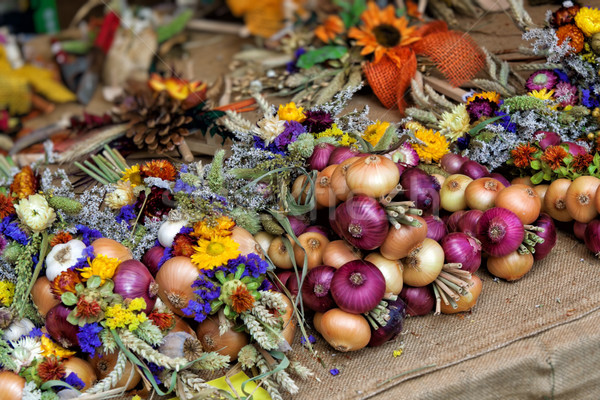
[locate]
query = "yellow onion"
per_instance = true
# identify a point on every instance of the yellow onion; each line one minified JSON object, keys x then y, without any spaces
{"x":400,"y":242}
{"x":391,"y":270}
{"x":511,"y":267}
{"x":317,"y":321}
{"x":182,"y":326}
{"x":525,"y":180}
{"x":373,"y":176}
{"x":541,"y":191}
{"x":227,"y":344}
{"x":581,"y":198}
{"x":278,"y":253}
{"x":339,"y":252}
{"x":83,"y":369}
{"x":338,"y":179}
{"x":481,"y":193}
{"x":555,"y":202}
{"x":175,"y":279}
{"x":323,"y":192}
{"x":312,"y":244}
{"x":42,"y":296}
{"x":111,"y":249}
{"x":11,"y":386}
{"x":465,"y":302}
{"x":424,"y":264}
{"x":104,"y":364}
{"x":246,"y":241}
{"x":345,"y":331}
{"x":452,"y":192}
{"x":264,"y":240}
{"x":300,"y":188}
{"x":289,"y":328}
{"x":522,"y":200}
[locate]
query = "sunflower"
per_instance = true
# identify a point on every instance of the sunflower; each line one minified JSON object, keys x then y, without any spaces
{"x":132,"y":174}
{"x":214,"y":252}
{"x":331,"y":27}
{"x":491,"y":96}
{"x":382,"y":32}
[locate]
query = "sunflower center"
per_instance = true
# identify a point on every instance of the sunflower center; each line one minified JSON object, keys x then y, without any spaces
{"x":215,"y":249}
{"x":387,"y":35}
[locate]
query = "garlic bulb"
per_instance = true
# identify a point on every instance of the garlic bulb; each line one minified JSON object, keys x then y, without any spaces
{"x":170,"y":228}
{"x":62,"y":257}
{"x":18,"y":329}
{"x":181,"y":344}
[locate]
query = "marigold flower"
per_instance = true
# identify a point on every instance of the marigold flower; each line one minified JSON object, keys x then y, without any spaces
{"x":434,"y":147}
{"x":214,"y":252}
{"x":241,"y":299}
{"x":101,"y":266}
{"x":588,"y":20}
{"x":61,"y":237}
{"x":51,"y":369}
{"x":581,"y":162}
{"x":24,"y":183}
{"x":553,"y":156}
{"x":332,"y":26}
{"x":375,"y":132}
{"x":523,"y":155}
{"x":162,"y":169}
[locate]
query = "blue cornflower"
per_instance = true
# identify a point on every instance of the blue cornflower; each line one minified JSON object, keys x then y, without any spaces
{"x":11,"y":230}
{"x":588,"y":98}
{"x":562,"y":75}
{"x":73,"y":380}
{"x":334,"y":371}
{"x":88,"y":234}
{"x":89,"y":338}
{"x":181,"y":186}
{"x":311,"y":339}
{"x":127,"y":213}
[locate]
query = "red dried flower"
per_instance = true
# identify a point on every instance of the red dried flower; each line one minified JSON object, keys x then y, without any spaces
{"x":553,"y":156}
{"x":6,"y":206}
{"x":523,"y":155}
{"x":51,"y":369}
{"x":162,"y":169}
{"x":65,"y":282}
{"x":60,"y":238}
{"x":183,"y":245}
{"x":159,"y":203}
{"x":87,"y":309}
{"x":582,"y":161}
{"x":163,"y":320}
{"x":241,"y":299}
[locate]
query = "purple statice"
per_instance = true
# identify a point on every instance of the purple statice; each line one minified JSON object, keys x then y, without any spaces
{"x":543,"y":79}
{"x":272,"y":147}
{"x":89,"y":338}
{"x":73,"y":380}
{"x":82,"y":262}
{"x":10,"y":229}
{"x":207,"y":292}
{"x":293,"y":129}
{"x":317,"y":121}
{"x":566,"y":94}
{"x":88,"y":235}
{"x":127,"y":213}
{"x":184,"y":169}
{"x":562,"y":75}
{"x":334,"y":371}
{"x":3,"y":243}
{"x":588,"y":98}
{"x":167,"y":254}
{"x":35,"y":333}
{"x":463,"y":142}
{"x":186,"y":230}
{"x":311,"y":340}
{"x":181,"y":186}
{"x":155,"y":370}
{"x":479,"y":108}
{"x":291,"y":66}
{"x":266,"y":286}
{"x":253,"y":265}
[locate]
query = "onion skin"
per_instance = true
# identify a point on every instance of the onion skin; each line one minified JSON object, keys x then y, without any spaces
{"x":581,"y":198}
{"x":511,"y":267}
{"x":452,"y":222}
{"x":289,"y":330}
{"x":324,"y":194}
{"x":474,"y":170}
{"x":182,"y":326}
{"x":319,"y":229}
{"x":464,"y":249}
{"x":11,"y":386}
{"x":548,"y":139}
{"x":104,"y":364}
{"x":394,"y":324}
{"x":592,"y":237}
{"x":400,"y":242}
{"x":132,"y":280}
{"x":500,"y":179}
{"x":228,"y":344}
{"x":575,"y":150}
{"x":42,"y":297}
{"x":524,"y":180}
{"x":500,"y":232}
{"x":549,"y":236}
{"x":317,"y":321}
{"x":541,"y":192}
{"x":418,"y":300}
{"x":312,"y":245}
{"x":338,"y":179}
{"x":339,"y":252}
{"x":320,"y":156}
{"x":392,"y":272}
{"x":481,"y":193}
{"x":247,"y":244}
{"x":111,"y":249}
{"x":522,"y":200}
{"x":152,"y":258}
{"x":62,"y":331}
{"x":451,"y":163}
{"x":424,"y":264}
{"x":357,"y":287}
{"x":452,"y":193}
{"x":341,"y":154}
{"x":315,"y":289}
{"x":345,"y":331}
{"x":579,"y":230}
{"x":555,"y":200}
{"x":436,"y":228}
{"x":468,"y":222}
{"x":83,"y":369}
{"x":363,"y":222}
{"x":175,"y":279}
{"x":466,"y":302}
{"x":373,"y":176}
{"x":422,"y":189}
{"x":298,"y":225}
{"x":279,"y":254}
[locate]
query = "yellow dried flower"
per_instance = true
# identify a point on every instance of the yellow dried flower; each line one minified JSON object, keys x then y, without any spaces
{"x":210,"y":227}
{"x":290,"y":112}
{"x":434,"y":147}
{"x":588,"y":20}
{"x":24,"y":183}
{"x":543,"y":94}
{"x":132,"y":175}
{"x":121,"y":196}
{"x":50,"y":348}
{"x":101,"y":266}
{"x":35,"y":212}
{"x":7,"y":291}
{"x":334,"y":131}
{"x":456,"y":123}
{"x":214,"y":252}
{"x":490,"y":96}
{"x":119,"y":317}
{"x":375,"y":132}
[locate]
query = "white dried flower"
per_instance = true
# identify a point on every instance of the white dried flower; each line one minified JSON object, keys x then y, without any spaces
{"x":35,"y":212}
{"x":270,"y":128}
{"x":25,"y":351}
{"x":121,"y":196}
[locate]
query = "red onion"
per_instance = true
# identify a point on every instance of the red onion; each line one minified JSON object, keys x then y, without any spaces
{"x":579,"y":230}
{"x":292,"y":284}
{"x":500,"y":178}
{"x":298,"y":225}
{"x":592,"y":237}
{"x":575,"y":150}
{"x":419,"y":300}
{"x":357,"y":287}
{"x":468,"y":222}
{"x":320,"y":156}
{"x":393,"y":327}
{"x":342,"y":153}
{"x":152,"y":258}
{"x":61,"y":330}
{"x":452,"y":222}
{"x":421,"y":188}
{"x":500,"y":232}
{"x":436,"y":228}
{"x":362,"y":221}
{"x":315,"y":290}
{"x":549,"y":236}
{"x":319,"y":229}
{"x":451,"y":162}
{"x":283,"y":277}
{"x":132,"y":280}
{"x":548,"y":139}
{"x":474,"y":170}
{"x":462,"y":248}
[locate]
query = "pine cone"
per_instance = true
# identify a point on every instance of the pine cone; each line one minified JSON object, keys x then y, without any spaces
{"x":158,"y":122}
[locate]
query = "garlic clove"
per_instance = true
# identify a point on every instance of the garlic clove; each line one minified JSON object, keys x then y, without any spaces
{"x":62,"y":257}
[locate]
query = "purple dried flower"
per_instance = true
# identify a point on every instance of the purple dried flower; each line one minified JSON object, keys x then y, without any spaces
{"x":480,"y":107}
{"x":293,"y":129}
{"x":543,"y":79}
{"x":317,"y":121}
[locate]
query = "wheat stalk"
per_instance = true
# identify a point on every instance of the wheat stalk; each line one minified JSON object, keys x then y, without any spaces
{"x":113,"y":377}
{"x":147,"y":352}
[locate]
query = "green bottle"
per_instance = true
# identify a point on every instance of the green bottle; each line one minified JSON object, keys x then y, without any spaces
{"x":45,"y":16}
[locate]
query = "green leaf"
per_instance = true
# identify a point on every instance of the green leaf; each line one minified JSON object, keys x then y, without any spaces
{"x":563,"y":171}
{"x":547,"y":175}
{"x":537,"y":178}
{"x":536,"y":164}
{"x":175,"y":26}
{"x":79,"y":287}
{"x":72,"y":319}
{"x":317,"y":56}
{"x":94,"y":282}
{"x":68,"y":298}
{"x":475,"y":130}
{"x":388,"y":139}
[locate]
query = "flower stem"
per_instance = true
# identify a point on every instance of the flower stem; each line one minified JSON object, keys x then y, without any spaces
{"x":38,"y":267}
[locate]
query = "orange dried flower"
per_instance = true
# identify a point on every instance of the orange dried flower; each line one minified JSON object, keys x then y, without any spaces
{"x":65,"y":282}
{"x":241,"y":299}
{"x":574,"y":34}
{"x":60,"y":238}
{"x":523,"y":155}
{"x":183,"y":245}
{"x":87,"y":309}
{"x":331,"y":27}
{"x":164,"y":321}
{"x":553,"y":156}
{"x":162,"y":169}
{"x":6,"y":206}
{"x":24,"y":183}
{"x":51,"y":369}
{"x":582,"y":161}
